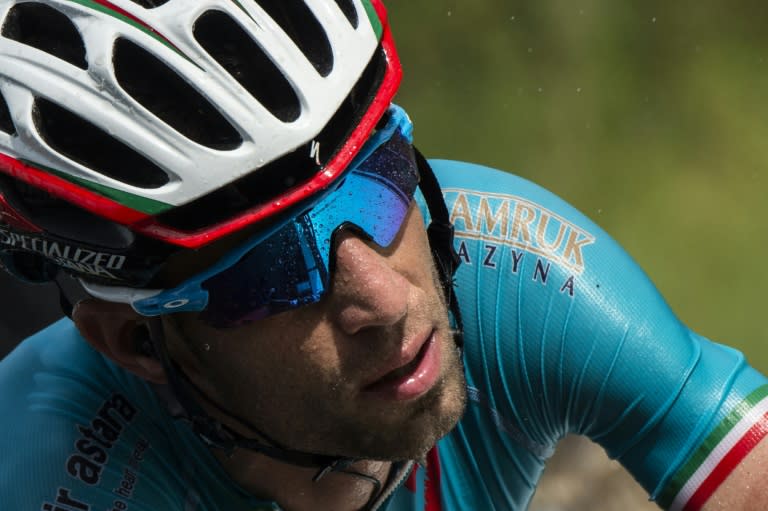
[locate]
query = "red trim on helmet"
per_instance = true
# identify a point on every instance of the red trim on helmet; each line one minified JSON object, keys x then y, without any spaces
{"x":112,"y":7}
{"x":12,"y":217}
{"x":149,"y":226}
{"x":122,"y":12}
{"x":70,"y":192}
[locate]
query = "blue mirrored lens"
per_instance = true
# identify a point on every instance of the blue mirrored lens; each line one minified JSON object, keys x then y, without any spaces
{"x":374,"y":197}
{"x":292,"y":266}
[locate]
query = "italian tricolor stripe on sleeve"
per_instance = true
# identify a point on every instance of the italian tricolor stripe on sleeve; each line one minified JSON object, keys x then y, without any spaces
{"x":719,"y":454}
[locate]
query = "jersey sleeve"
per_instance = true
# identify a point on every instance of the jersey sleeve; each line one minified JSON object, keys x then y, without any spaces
{"x":79,"y":434}
{"x":566,"y":334}
{"x":72,"y":437}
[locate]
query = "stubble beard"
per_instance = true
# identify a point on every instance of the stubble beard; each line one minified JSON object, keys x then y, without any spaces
{"x":380,"y":431}
{"x":417,"y":426}
{"x":435,"y":415}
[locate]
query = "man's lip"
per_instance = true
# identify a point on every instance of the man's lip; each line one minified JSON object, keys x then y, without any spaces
{"x":405,"y":357}
{"x":413,"y":379}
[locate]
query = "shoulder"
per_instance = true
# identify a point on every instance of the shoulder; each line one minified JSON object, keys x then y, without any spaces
{"x":57,"y":348}
{"x":462,"y":180}
{"x":452,"y":173}
{"x":481,"y":200}
{"x":76,"y":429}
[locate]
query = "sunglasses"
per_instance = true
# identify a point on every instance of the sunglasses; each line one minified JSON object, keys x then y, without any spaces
{"x":290,"y":265}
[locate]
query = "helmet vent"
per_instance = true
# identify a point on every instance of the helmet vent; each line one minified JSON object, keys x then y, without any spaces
{"x":164,"y":93}
{"x":46,"y":29}
{"x":236,"y":52}
{"x":348,"y":8}
{"x":291,"y":170}
{"x":6,"y":123}
{"x":149,"y":4}
{"x":94,"y":148}
{"x":296,"y":20}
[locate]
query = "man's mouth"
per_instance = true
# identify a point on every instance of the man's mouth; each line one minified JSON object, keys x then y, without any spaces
{"x":412,"y":379}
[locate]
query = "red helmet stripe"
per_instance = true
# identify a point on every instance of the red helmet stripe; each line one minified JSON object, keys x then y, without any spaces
{"x":71,"y":192}
{"x":10,"y":216}
{"x":113,"y":10}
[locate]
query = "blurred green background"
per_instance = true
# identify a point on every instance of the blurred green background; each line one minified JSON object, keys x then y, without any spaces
{"x":649,"y":116}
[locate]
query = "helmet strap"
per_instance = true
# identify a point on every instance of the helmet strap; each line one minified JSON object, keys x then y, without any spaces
{"x":183,"y":405}
{"x":64,"y":302}
{"x":441,"y":235}
{"x":178,"y":396}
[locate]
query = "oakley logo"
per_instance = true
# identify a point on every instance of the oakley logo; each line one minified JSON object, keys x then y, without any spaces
{"x":175,"y":304}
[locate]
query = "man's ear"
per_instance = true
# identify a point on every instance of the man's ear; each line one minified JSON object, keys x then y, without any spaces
{"x":120,"y":333}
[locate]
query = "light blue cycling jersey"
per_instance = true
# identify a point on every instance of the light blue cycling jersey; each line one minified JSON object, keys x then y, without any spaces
{"x":563,"y":333}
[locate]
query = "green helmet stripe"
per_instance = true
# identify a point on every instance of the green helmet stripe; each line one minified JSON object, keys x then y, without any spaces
{"x":136,"y":202}
{"x":240,"y":6}
{"x":104,"y":7}
{"x":373,"y":17}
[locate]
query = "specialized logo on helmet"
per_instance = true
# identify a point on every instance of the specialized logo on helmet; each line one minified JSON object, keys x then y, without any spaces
{"x":78,"y":259}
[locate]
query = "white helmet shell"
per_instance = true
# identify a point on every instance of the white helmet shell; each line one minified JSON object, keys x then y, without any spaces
{"x":167,"y":33}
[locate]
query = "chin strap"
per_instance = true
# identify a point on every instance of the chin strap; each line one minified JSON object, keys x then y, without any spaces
{"x":183,"y":406}
{"x":212,"y":432}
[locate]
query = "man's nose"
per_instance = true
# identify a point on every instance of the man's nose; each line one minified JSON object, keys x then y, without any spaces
{"x":368,"y":290}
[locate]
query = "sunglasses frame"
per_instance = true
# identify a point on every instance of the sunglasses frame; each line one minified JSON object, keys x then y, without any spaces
{"x":190,"y":295}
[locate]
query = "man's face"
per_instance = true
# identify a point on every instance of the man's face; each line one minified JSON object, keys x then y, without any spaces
{"x":370,"y":371}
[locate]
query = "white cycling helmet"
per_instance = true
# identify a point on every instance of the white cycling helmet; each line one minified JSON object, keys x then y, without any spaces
{"x":179,"y":121}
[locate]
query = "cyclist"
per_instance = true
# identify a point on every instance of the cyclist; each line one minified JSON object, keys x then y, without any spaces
{"x":270,"y":325}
